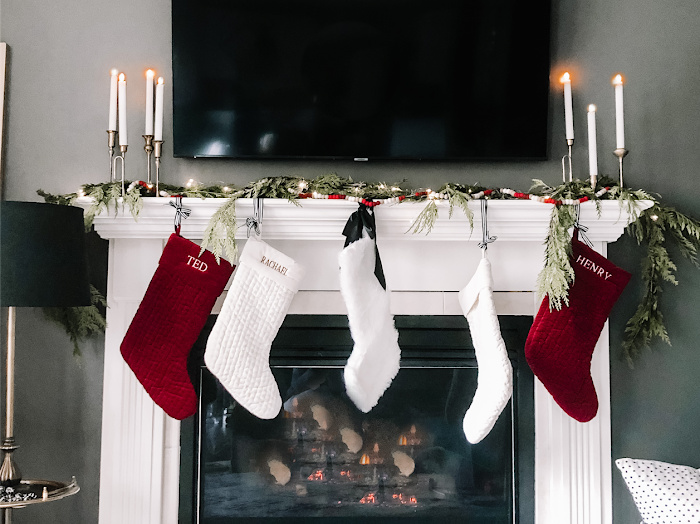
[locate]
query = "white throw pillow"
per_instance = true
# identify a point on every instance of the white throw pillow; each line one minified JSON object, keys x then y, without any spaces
{"x":663,"y":493}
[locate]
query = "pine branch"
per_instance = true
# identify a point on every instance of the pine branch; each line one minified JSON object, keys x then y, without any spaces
{"x":655,"y":227}
{"x":80,"y":323}
{"x":557,"y":274}
{"x":220,"y":233}
{"x":425,"y":221}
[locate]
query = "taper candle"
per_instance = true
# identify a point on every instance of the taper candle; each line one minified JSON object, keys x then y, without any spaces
{"x":619,"y":113}
{"x":159,"y":110}
{"x":122,"y":110}
{"x":592,"y":146}
{"x":149,"y":102}
{"x":568,"y":106}
{"x":112,"y":125}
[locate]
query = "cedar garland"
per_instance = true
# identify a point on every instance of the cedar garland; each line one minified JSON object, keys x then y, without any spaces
{"x":654,"y":227}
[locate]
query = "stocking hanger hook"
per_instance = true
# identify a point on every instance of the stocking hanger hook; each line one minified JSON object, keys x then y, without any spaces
{"x":485,"y":238}
{"x":254,"y":223}
{"x":581,"y":228}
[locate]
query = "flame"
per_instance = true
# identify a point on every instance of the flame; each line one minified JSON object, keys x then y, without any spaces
{"x":122,"y":77}
{"x":592,"y":108}
{"x":370,"y":498}
{"x":160,"y":80}
{"x":150,"y":73}
{"x":316,"y":475}
{"x":364,"y":459}
{"x":403,"y":441}
{"x":566,"y":78}
{"x":617,"y":80}
{"x":113,"y":72}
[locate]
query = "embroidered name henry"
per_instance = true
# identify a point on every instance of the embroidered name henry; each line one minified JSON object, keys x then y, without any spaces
{"x":274,"y":265}
{"x":591,"y":266}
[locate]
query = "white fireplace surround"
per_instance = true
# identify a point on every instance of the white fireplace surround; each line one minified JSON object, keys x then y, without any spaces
{"x":140,"y":458}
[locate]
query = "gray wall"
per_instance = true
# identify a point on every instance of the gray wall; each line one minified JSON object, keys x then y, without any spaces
{"x":61,"y":54}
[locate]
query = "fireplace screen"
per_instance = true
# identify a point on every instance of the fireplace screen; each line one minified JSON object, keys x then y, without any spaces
{"x":323,"y":459}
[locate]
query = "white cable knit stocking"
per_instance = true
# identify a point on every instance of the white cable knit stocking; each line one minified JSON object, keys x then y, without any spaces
{"x":495,"y":380}
{"x":238,"y":349}
{"x":375,"y":357}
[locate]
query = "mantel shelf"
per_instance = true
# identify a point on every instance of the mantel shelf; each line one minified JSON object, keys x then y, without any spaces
{"x":509,"y":220}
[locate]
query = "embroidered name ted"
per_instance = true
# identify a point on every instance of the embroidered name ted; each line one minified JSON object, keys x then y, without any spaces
{"x":591,"y":266}
{"x":196,"y":263}
{"x":274,"y":265}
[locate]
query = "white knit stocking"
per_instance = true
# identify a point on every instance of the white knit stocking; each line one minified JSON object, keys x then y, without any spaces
{"x":238,"y":349}
{"x":495,"y":380}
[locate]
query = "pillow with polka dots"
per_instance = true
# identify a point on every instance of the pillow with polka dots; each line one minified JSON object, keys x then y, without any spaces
{"x":662,"y":492}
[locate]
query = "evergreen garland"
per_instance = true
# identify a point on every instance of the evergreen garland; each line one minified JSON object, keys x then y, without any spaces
{"x":654,"y":227}
{"x":80,"y":323}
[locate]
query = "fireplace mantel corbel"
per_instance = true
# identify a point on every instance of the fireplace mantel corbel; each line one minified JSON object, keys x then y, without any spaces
{"x":139,"y":470}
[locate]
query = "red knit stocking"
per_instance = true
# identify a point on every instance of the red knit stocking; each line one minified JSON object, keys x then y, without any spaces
{"x":177,"y":303}
{"x":560,"y":344}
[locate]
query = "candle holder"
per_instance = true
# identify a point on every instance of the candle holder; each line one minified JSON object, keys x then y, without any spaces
{"x":570,"y":143}
{"x":620,"y":153}
{"x":111,"y":142}
{"x":122,"y":157}
{"x":157,"y":152}
{"x":148,"y":148}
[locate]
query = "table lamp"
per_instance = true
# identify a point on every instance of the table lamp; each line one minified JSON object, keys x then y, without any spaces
{"x":42,"y":264}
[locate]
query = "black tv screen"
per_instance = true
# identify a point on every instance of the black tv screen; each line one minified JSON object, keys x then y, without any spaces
{"x":361,"y":79}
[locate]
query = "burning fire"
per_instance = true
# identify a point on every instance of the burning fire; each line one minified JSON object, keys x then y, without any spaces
{"x":364,"y":459}
{"x":316,"y":475}
{"x":403,"y":441}
{"x":370,"y":498}
{"x":404,"y":499}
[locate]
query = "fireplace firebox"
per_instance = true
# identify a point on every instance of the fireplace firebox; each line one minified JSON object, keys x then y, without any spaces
{"x":321,"y":459}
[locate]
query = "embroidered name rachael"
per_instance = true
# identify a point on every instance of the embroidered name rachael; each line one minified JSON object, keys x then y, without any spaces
{"x":588,"y":264}
{"x":196,"y":263}
{"x":274,"y":265}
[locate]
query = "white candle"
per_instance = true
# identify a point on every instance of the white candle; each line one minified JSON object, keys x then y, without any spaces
{"x":568,"y":106}
{"x":122,"y":110}
{"x":112,"y":125}
{"x":159,"y":110}
{"x":619,"y":113}
{"x":149,"y":102}
{"x":592,"y":147}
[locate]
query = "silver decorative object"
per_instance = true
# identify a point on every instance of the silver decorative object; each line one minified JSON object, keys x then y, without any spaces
{"x":111,"y":142}
{"x":157,"y":152}
{"x":122,"y":157}
{"x":620,"y":153}
{"x":570,"y":143}
{"x":148,"y":148}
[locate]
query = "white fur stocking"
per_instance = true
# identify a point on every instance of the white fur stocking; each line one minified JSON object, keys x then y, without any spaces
{"x":495,"y":380}
{"x":374,"y":361}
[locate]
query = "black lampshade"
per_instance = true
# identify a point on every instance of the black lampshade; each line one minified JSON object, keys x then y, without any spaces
{"x":42,"y":252}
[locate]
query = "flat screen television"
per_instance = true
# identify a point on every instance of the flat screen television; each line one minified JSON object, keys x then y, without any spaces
{"x":361,"y":79}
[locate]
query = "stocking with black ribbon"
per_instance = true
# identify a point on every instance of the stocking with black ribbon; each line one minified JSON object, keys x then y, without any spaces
{"x":171,"y":315}
{"x":374,"y":361}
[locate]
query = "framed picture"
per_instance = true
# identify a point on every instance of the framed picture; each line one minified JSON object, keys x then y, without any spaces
{"x":3,"y":64}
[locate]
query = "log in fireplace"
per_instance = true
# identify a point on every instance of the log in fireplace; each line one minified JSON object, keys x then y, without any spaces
{"x":322,"y":458}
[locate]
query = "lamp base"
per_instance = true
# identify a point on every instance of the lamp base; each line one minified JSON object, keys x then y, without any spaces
{"x":40,"y":491}
{"x":10,"y":475}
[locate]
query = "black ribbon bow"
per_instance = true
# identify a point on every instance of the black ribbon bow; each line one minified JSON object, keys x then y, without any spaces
{"x":363,"y":220}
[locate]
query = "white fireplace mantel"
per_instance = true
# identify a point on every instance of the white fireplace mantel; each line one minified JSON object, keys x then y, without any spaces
{"x":139,"y":471}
